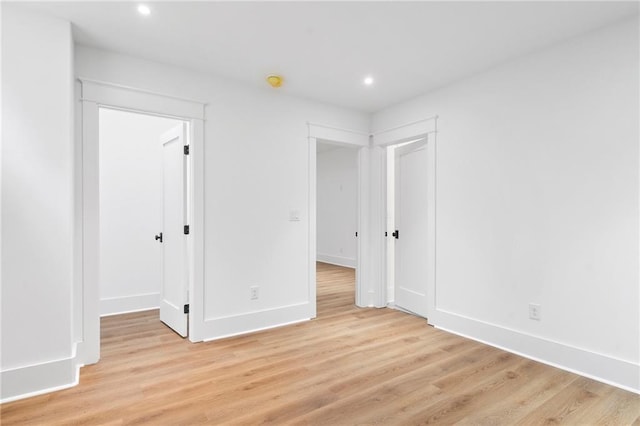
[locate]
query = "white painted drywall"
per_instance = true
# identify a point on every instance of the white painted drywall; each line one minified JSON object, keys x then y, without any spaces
{"x":130,"y":209}
{"x":256,"y":172}
{"x":537,"y":199}
{"x":37,"y":202}
{"x":337,"y":203}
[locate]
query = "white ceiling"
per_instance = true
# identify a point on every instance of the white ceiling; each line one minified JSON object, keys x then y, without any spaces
{"x":324,"y":49}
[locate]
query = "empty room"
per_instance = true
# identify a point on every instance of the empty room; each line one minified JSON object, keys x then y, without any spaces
{"x":338,"y":213}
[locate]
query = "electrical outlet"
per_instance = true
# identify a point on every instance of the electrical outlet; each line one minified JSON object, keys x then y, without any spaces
{"x":534,"y":311}
{"x":253,"y":291}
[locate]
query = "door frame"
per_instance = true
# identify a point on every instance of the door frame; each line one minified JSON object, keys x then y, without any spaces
{"x":98,"y":94}
{"x":347,"y":138}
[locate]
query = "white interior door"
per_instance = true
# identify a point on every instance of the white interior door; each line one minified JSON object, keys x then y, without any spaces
{"x":173,"y":290}
{"x":411,"y":230}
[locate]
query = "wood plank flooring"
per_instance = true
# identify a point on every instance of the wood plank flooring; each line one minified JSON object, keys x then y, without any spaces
{"x":349,"y":366}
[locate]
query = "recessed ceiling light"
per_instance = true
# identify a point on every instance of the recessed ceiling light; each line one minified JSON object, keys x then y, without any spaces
{"x":368,"y":81}
{"x":144,"y":10}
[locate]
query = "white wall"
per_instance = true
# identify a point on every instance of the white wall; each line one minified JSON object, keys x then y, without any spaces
{"x":37,"y":203}
{"x":256,"y":171}
{"x":130,"y":209}
{"x":337,"y":202}
{"x":537,"y":201}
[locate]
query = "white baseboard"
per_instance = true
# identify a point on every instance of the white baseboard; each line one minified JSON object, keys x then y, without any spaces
{"x":603,"y":368}
{"x":219,"y":328}
{"x":337,"y":260}
{"x":38,"y":379}
{"x":123,"y":305}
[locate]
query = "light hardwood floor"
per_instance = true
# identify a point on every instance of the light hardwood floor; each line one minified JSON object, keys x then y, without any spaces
{"x":349,"y":366}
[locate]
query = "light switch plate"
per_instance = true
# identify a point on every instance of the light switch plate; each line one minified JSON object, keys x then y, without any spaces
{"x":534,"y":311}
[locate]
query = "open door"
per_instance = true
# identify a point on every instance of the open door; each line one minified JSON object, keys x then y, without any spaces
{"x":411,"y":230}
{"x":173,"y":289}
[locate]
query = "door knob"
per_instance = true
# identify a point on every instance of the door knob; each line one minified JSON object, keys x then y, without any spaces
{"x":159,"y":237}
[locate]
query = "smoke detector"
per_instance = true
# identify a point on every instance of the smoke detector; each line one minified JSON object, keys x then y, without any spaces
{"x":274,"y":80}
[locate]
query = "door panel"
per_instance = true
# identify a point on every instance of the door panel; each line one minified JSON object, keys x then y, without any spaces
{"x":173,"y":293}
{"x":411,"y":266}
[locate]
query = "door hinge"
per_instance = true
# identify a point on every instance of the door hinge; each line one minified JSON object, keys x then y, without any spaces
{"x":186,"y":150}
{"x":396,"y":234}
{"x":186,"y":230}
{"x":186,"y":308}
{"x":356,"y":233}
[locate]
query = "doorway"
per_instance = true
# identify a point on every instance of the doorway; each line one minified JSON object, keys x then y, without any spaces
{"x":95,"y":96}
{"x":346,"y":138}
{"x":337,"y":207}
{"x":143,"y":208}
{"x":130,"y":203}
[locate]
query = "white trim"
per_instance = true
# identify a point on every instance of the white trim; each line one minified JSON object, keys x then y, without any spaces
{"x":195,"y":247}
{"x":127,"y":304}
{"x":347,"y":262}
{"x":340,"y":129}
{"x":220,"y":327}
{"x":363,"y":293}
{"x":406,"y":132}
{"x":613,"y":371}
{"x":406,"y":125}
{"x":432,"y":185}
{"x":255,"y":330}
{"x":336,"y":134}
{"x":377,"y":225}
{"x":311,"y":232}
{"x":122,"y":97}
{"x":37,"y":379}
{"x":101,"y":94}
{"x":91,"y":81}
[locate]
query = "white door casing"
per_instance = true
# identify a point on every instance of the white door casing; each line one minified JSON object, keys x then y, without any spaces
{"x":97,"y":94}
{"x":174,"y":276}
{"x":352,"y":138}
{"x":411,"y":220}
